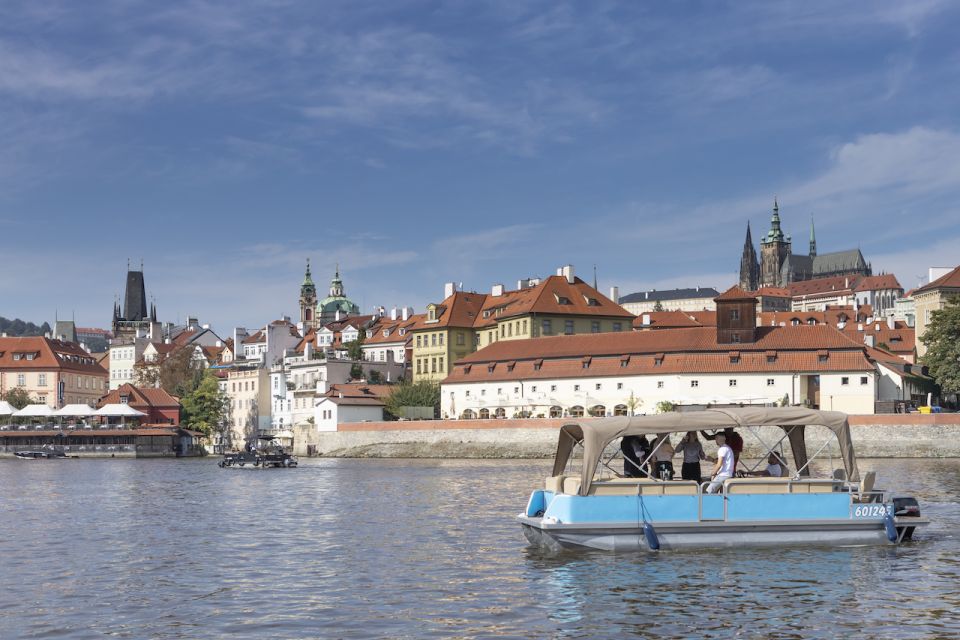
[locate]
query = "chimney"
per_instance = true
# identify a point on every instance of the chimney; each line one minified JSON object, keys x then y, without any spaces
{"x":218,"y":343}
{"x":406,"y":313}
{"x":891,"y":323}
{"x":567,"y":272}
{"x":559,"y":271}
{"x":166,"y":341}
{"x":393,"y":313}
{"x":206,"y":326}
{"x":191,"y":322}
{"x":523,"y":284}
{"x":448,"y":289}
{"x":497,"y":290}
{"x":615,"y":294}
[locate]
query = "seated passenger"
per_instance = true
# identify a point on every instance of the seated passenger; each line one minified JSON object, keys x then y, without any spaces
{"x":734,"y":441}
{"x":661,"y":460}
{"x":692,"y":455}
{"x":635,"y":450}
{"x":776,"y":468}
{"x":723,"y":469}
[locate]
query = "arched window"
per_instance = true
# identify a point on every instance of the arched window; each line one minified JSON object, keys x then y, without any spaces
{"x":620,"y":410}
{"x":468,"y":415}
{"x":500,"y":412}
{"x":556,"y":412}
{"x":484,"y":414}
{"x":576,"y":412}
{"x":598,"y":411}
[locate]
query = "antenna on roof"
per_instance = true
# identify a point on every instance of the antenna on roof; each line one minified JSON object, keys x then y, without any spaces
{"x":594,"y":276}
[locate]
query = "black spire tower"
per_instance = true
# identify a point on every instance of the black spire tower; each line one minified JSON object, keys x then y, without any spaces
{"x":749,"y":265}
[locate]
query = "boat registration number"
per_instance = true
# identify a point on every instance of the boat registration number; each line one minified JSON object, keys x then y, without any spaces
{"x":872,"y":511}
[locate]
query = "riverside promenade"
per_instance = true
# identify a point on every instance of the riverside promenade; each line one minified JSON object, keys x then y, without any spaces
{"x":911,"y":435}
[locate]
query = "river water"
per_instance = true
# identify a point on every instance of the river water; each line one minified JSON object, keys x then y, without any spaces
{"x":421,"y":549}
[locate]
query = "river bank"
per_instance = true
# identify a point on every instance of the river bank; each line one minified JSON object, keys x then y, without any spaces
{"x":881,"y":436}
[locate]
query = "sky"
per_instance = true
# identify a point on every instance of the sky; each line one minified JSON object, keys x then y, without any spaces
{"x":416,"y":143}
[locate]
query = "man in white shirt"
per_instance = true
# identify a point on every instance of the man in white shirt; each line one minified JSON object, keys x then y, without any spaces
{"x":774,"y":468}
{"x":723,"y":469}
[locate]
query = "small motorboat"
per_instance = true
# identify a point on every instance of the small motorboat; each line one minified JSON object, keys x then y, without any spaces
{"x":262,"y":452}
{"x":597,"y":507}
{"x":40,"y":455}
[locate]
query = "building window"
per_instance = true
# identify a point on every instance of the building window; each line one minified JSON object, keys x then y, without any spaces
{"x":844,"y":380}
{"x":619,"y":386}
{"x":618,"y":326}
{"x":21,"y":380}
{"x":863,"y":379}
{"x":42,"y":379}
{"x":467,"y":394}
{"x":41,"y":399}
{"x":483,"y":392}
{"x":524,"y":327}
{"x":418,"y":366}
{"x":597,"y":387}
{"x":516,"y":391}
{"x":731,"y":382}
{"x":441,"y":364}
{"x":659,"y":384}
{"x":553,"y":387}
{"x":734,"y":314}
{"x":460,"y":338}
{"x":694,"y":383}
{"x":509,"y":330}
{"x":440,"y":339}
{"x":433,"y":365}
{"x":568,"y":327}
{"x":770,"y":382}
{"x":576,"y":387}
{"x":418,"y":341}
{"x":547,"y":327}
{"x":433,"y":339}
{"x":595,"y":326}
{"x":499,"y":391}
{"x":533,"y":389}
{"x":735,"y":338}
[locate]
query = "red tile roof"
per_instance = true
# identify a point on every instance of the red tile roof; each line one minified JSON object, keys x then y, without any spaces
{"x":874,"y":283}
{"x":735,"y":293}
{"x":140,"y":397}
{"x":948,"y":281}
{"x":665,"y":320}
{"x":47,"y":354}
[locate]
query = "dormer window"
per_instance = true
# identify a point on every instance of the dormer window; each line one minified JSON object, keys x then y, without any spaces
{"x":537,"y":365}
{"x":125,"y":399}
{"x":562,"y":299}
{"x":431,"y":313}
{"x":771,"y":356}
{"x":591,"y":302}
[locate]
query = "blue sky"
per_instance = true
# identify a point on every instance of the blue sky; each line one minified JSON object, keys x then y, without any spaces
{"x":479,"y":142}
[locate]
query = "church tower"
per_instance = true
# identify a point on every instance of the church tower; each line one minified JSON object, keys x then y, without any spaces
{"x":813,"y":239}
{"x":308,"y":302}
{"x":749,"y":266}
{"x":774,"y":251}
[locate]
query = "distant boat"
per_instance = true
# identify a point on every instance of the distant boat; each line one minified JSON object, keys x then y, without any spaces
{"x":259,"y":453}
{"x":40,"y":455}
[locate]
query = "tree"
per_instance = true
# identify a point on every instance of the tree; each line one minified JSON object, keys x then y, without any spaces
{"x":374,"y":377}
{"x":657,"y":306}
{"x":665,"y":406}
{"x":356,"y":371}
{"x":204,"y":408}
{"x":633,"y":402}
{"x":355,"y":347}
{"x":413,"y":394}
{"x":942,"y":339}
{"x":18,"y":397}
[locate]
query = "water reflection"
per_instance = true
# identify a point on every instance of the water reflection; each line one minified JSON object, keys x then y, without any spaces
{"x":397,"y":548}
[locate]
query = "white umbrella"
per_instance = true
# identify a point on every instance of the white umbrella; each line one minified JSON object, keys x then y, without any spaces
{"x":34,"y":411}
{"x":75,"y":410}
{"x":118,"y":411}
{"x":6,"y":409}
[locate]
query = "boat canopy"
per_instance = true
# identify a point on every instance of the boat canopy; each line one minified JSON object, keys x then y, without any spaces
{"x":595,"y":434}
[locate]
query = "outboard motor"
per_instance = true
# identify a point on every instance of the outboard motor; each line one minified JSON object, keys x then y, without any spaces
{"x":906,"y":507}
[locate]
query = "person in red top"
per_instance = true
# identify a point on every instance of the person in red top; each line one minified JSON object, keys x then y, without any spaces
{"x":734,"y":441}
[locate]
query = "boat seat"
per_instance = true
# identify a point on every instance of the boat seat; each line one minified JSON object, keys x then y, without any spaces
{"x":554,"y":484}
{"x":776,"y":485}
{"x":642,"y":486}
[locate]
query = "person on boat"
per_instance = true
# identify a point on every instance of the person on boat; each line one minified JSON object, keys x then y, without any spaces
{"x":734,"y":441}
{"x":661,"y":460}
{"x":724,"y":466}
{"x":775,"y":468}
{"x":692,"y":455}
{"x":635,"y":450}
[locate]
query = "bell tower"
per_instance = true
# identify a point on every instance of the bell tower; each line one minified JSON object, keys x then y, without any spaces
{"x":774,"y":251}
{"x":308,"y":301}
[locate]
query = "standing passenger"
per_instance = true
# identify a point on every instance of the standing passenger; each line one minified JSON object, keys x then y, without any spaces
{"x":662,"y":458}
{"x":692,"y":455}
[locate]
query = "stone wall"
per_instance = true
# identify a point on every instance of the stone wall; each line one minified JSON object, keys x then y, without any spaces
{"x":890,"y":436}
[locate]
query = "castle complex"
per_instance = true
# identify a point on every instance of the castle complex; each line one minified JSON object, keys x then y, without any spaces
{"x":778,"y":266}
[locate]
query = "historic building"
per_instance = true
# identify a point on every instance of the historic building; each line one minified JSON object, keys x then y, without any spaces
{"x":132,"y":318}
{"x":779,"y":266}
{"x":336,"y":306}
{"x":53,"y":372}
{"x":308,"y":302}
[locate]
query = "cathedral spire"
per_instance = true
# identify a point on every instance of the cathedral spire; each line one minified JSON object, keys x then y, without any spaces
{"x":813,"y":239}
{"x":307,"y":278}
{"x":749,"y":266}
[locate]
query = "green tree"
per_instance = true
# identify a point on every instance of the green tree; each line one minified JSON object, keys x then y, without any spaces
{"x":413,"y":394}
{"x":633,"y":402}
{"x":204,"y":407}
{"x":179,"y":374}
{"x":665,"y":406}
{"x":18,"y":397}
{"x":657,"y":306}
{"x":942,"y":339}
{"x":374,"y":377}
{"x":355,"y":347}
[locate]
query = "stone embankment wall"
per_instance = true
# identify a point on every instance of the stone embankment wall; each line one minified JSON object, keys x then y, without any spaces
{"x":886,"y":436}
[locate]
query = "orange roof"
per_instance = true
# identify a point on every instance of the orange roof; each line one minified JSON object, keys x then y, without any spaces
{"x":36,"y":353}
{"x":359,"y":390}
{"x":705,"y":318}
{"x":735,"y":293}
{"x":821,"y":285}
{"x":873,"y":283}
{"x":695,"y":339}
{"x":140,"y":397}
{"x":947,"y":281}
{"x":665,"y":320}
{"x":774,"y":292}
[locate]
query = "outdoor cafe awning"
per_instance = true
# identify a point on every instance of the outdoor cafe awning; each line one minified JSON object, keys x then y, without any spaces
{"x":34,"y":411}
{"x":118,"y":411}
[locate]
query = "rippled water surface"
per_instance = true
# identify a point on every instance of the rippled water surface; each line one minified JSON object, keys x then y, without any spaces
{"x":419,"y":549}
